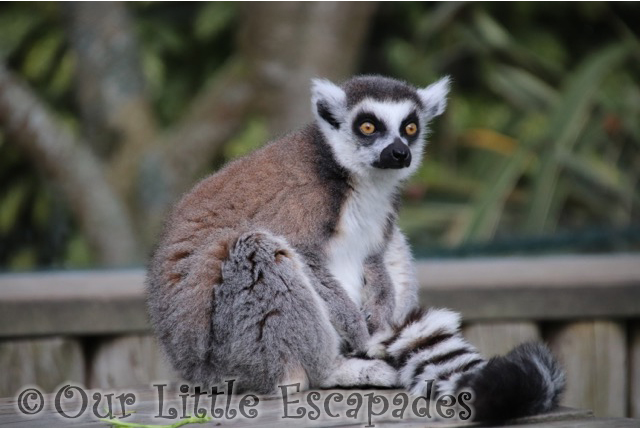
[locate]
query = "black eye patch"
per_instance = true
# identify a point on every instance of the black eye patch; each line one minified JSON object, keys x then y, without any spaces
{"x":411,"y":118}
{"x":364,"y":117}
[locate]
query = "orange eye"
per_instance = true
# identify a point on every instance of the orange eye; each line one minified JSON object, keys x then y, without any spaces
{"x":411,"y":129}
{"x":367,"y":128}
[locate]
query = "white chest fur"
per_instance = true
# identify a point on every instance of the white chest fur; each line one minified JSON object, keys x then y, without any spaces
{"x":361,"y":229}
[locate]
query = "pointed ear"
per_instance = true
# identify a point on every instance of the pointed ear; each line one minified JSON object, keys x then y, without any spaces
{"x":328,"y":102}
{"x":434,"y":97}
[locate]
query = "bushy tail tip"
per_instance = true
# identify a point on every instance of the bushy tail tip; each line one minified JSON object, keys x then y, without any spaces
{"x":526,"y":381}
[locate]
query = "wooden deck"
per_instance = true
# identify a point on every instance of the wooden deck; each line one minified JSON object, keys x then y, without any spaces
{"x":270,"y":412}
{"x":91,"y":328}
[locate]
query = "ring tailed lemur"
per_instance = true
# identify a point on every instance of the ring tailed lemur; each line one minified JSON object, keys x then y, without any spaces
{"x":287,"y":266}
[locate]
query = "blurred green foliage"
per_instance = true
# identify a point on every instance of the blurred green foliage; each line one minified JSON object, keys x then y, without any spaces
{"x":182,"y":46}
{"x":539,"y":148}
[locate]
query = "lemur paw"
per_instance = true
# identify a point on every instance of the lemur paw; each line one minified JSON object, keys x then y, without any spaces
{"x":376,"y":348}
{"x":381,"y":374}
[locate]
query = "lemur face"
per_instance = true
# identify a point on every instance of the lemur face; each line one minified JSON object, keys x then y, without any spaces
{"x":384,"y":132}
{"x":377,"y":124}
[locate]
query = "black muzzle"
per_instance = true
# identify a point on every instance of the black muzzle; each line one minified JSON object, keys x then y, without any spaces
{"x":395,"y":156}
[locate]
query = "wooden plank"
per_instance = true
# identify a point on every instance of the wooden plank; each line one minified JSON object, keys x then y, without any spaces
{"x":73,"y":317}
{"x":129,"y":361}
{"x":561,"y":423}
{"x":74,"y":303}
{"x":498,"y":338}
{"x":44,"y":362}
{"x":537,"y":303}
{"x":594,"y":356}
{"x":104,"y":302}
{"x":594,"y":423}
{"x":634,"y":370}
{"x":521,"y":288}
{"x":271,"y":410}
{"x":545,"y":271}
{"x":72,"y":285}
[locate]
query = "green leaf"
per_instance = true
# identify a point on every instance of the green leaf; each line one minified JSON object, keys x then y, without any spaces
{"x":522,"y":88}
{"x":78,"y":253}
{"x":567,"y":120}
{"x":62,"y":78}
{"x":489,"y":205}
{"x":14,"y":26}
{"x":600,"y":174}
{"x":154,"y":70}
{"x":190,"y":420}
{"x":437,"y":21}
{"x":11,"y":204}
{"x":40,"y":57}
{"x":213,"y":18}
{"x":22,"y":260}
{"x":254,"y":135}
{"x":492,"y":32}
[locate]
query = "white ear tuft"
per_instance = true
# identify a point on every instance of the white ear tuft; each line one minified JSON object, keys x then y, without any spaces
{"x":323,"y":89}
{"x":434,"y":97}
{"x":328,"y":101}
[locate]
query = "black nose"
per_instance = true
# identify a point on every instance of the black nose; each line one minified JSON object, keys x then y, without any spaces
{"x":400,"y":153}
{"x":395,"y":156}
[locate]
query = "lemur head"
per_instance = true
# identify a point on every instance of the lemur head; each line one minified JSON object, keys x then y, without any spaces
{"x":377,"y":125}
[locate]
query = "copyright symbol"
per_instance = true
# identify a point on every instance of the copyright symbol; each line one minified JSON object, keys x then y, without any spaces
{"x":30,"y":401}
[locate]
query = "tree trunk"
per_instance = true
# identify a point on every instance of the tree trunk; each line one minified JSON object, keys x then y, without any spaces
{"x":121,"y":179}
{"x":289,"y":43}
{"x":110,"y":88}
{"x":70,"y":165}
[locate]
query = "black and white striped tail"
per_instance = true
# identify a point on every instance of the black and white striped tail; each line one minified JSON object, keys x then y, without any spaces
{"x":429,"y":346}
